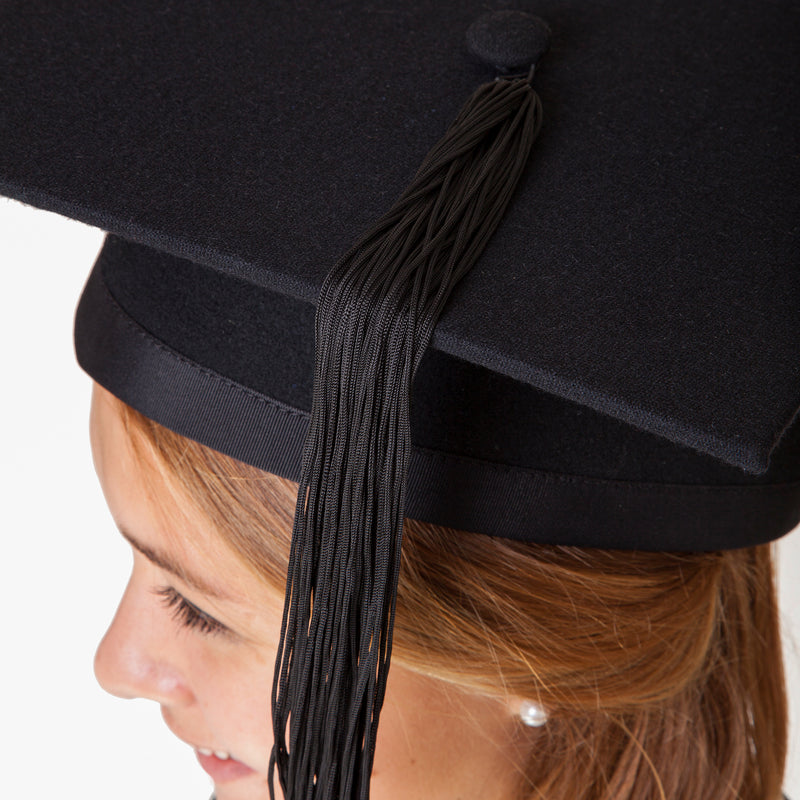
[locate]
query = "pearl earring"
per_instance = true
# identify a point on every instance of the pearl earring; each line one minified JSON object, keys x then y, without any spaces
{"x":532,"y":714}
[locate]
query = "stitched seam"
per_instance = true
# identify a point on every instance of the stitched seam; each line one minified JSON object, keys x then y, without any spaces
{"x":152,"y":341}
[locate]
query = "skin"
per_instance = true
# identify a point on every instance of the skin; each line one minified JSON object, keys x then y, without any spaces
{"x":214,"y":689}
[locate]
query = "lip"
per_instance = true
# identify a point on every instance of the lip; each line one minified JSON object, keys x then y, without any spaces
{"x":223,"y":770}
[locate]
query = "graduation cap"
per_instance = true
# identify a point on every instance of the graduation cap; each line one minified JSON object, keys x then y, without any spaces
{"x":593,"y":340}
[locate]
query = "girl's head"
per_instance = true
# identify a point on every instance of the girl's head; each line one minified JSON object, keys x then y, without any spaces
{"x":198,"y":626}
{"x":598,"y":326}
{"x":660,"y":673}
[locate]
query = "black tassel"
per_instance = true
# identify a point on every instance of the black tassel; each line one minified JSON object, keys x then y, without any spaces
{"x":376,"y":314}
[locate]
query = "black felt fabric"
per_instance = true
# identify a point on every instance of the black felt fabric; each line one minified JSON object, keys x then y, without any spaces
{"x":479,"y":490}
{"x":647,"y":267}
{"x":265,"y":341}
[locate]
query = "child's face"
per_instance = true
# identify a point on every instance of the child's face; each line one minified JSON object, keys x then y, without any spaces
{"x":197,"y":631}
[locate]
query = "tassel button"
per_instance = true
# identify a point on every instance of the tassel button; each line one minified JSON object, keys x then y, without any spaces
{"x":508,"y":40}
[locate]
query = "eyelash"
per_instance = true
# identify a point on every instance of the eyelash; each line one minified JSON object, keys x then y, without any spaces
{"x":188,"y":614}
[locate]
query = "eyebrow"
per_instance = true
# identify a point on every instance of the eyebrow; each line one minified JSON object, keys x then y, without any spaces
{"x":169,"y":564}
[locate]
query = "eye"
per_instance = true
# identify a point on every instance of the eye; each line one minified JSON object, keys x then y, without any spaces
{"x":188,"y":614}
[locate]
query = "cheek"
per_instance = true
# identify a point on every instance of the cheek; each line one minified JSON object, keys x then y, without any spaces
{"x":234,"y":692}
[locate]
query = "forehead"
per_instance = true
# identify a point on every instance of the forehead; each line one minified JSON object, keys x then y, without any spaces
{"x":152,"y":511}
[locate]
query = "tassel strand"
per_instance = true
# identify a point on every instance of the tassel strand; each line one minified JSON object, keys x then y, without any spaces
{"x":377,"y":311}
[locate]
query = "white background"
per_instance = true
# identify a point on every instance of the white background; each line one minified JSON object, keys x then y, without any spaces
{"x":64,"y":566}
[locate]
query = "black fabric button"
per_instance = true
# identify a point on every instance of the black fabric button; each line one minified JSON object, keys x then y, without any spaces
{"x":508,"y":40}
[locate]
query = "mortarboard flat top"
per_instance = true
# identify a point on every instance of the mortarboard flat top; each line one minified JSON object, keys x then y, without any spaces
{"x":629,"y":339}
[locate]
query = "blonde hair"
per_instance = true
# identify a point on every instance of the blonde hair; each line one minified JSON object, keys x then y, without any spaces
{"x":661,"y":672}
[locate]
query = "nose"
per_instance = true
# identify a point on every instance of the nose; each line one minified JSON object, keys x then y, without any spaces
{"x":136,"y":656}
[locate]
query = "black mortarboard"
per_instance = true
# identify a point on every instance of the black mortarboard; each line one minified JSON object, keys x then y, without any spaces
{"x":622,"y":367}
